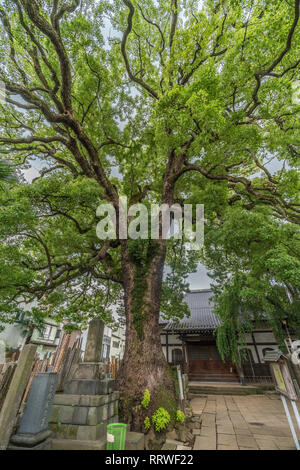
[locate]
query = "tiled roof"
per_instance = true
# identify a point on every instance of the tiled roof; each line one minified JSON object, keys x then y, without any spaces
{"x":202,"y":317}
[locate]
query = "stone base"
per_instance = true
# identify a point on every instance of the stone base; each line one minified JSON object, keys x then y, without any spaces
{"x":30,"y":440}
{"x":83,"y":417}
{"x":89,"y":387}
{"x":80,"y":432}
{"x":90,"y":370}
{"x":134,"y":441}
{"x":45,"y":445}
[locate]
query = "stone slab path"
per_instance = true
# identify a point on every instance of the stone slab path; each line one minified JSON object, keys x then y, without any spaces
{"x":255,"y":422}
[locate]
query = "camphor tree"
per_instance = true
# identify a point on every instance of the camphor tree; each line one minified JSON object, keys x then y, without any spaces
{"x":158,"y":101}
{"x":6,"y":172}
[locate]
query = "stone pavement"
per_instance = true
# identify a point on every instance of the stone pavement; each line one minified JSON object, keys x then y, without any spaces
{"x":255,"y":422}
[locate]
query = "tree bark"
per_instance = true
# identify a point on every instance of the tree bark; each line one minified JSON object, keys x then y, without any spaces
{"x":144,"y":365}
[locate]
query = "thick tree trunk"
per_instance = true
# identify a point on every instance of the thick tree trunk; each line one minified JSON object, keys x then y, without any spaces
{"x":144,"y":365}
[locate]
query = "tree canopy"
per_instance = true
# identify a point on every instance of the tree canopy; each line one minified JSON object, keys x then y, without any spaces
{"x":170,"y":101}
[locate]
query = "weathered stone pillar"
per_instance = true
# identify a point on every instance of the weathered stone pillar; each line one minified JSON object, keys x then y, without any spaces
{"x":89,"y":376}
{"x":14,"y":395}
{"x":94,"y":341}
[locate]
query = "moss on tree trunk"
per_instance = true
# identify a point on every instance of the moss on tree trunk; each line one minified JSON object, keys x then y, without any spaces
{"x":144,"y":365}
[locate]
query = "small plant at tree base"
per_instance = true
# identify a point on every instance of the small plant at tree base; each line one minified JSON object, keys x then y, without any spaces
{"x":180,"y":417}
{"x":146,"y":399}
{"x":161,"y":419}
{"x":147,"y":423}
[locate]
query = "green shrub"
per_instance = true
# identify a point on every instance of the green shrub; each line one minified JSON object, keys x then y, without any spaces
{"x":161,"y":419}
{"x":146,"y":399}
{"x":147,"y":423}
{"x":180,"y":416}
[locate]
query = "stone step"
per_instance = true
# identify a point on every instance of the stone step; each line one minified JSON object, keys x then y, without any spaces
{"x":134,"y":441}
{"x":214,"y":378}
{"x":227,"y":389}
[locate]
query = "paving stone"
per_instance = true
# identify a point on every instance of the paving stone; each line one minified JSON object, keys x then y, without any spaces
{"x":266,"y":444}
{"x":246,"y":441}
{"x":256,"y":422}
{"x":270,"y":430}
{"x":225,"y":429}
{"x":196,"y":432}
{"x":285,"y":442}
{"x":242,"y":431}
{"x":208,"y":431}
{"x":197,"y":405}
{"x":223,"y":447}
{"x":208,"y":419}
{"x":227,"y":439}
{"x":183,"y":448}
{"x":264,"y":437}
{"x":205,"y":443}
{"x":197,"y":425}
{"x":247,"y":448}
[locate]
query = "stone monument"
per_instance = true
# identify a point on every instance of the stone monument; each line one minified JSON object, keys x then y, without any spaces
{"x":89,"y":377}
{"x":33,"y":432}
{"x":80,"y":415}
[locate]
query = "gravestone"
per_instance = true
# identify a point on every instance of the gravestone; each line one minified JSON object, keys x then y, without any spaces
{"x":14,"y":395}
{"x":88,"y":378}
{"x":33,"y":432}
{"x":94,"y":341}
{"x":89,"y":403}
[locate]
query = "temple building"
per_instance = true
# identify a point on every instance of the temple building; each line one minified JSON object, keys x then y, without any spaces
{"x":191,"y":342}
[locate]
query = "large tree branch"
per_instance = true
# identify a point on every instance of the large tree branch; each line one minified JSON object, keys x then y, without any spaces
{"x":32,"y":9}
{"x":263,"y":194}
{"x":126,"y":34}
{"x":258,"y":75}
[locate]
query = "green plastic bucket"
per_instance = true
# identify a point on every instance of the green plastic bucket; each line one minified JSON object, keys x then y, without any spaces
{"x":116,"y":436}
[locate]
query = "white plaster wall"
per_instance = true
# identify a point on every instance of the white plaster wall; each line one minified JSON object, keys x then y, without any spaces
{"x":264,"y":337}
{"x":12,"y":336}
{"x":173,"y":339}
